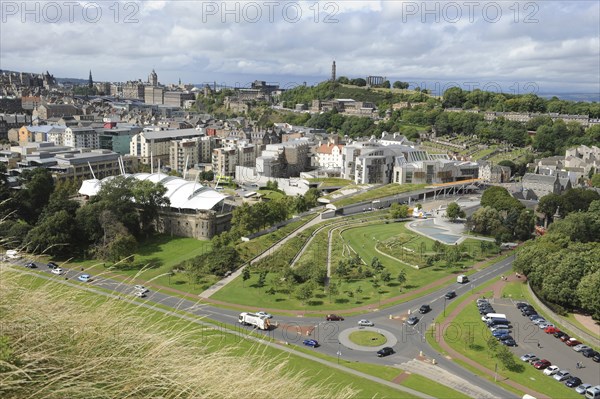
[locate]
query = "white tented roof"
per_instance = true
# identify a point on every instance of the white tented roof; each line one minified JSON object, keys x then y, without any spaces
{"x":182,"y":194}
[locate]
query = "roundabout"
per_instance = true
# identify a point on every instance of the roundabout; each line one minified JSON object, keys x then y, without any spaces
{"x":385,"y":338}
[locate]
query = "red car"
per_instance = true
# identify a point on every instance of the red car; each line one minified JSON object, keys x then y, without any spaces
{"x":334,"y":317}
{"x":551,"y":330}
{"x":542,"y":364}
{"x":572,"y":342}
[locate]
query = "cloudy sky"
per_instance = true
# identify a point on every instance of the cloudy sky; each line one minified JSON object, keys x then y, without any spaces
{"x":516,"y":47}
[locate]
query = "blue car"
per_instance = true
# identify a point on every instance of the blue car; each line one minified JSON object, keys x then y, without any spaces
{"x":311,"y":342}
{"x":499,"y":333}
{"x":84,"y":278}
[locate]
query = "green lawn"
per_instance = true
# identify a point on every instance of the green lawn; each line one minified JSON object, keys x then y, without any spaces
{"x":270,"y":194}
{"x":367,"y":338}
{"x":379,"y":192}
{"x":330,"y":182}
{"x":153,"y":261}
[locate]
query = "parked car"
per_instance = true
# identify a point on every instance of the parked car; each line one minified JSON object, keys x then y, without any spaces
{"x":527,"y":356}
{"x":366,"y":323}
{"x":57,"y":271}
{"x":596,"y":357}
{"x":565,"y":338}
{"x":424,"y":309}
{"x":588,"y":352}
{"x":538,"y":321}
{"x":509,"y":342}
{"x":580,"y":347}
{"x":52,"y":265}
{"x":499,"y":327}
{"x":551,"y":370}
{"x":30,"y":265}
{"x":533,"y":360}
{"x":499,"y":333}
{"x":535,"y":317}
{"x":450,"y":295}
{"x":559,"y":334}
{"x":543,"y":325}
{"x":529,"y":312}
{"x":572,"y":342}
{"x":385,"y":351}
{"x":521,"y":305}
{"x":505,"y":337}
{"x":582,"y":388}
{"x":84,"y":278}
{"x":573,"y":382}
{"x":311,"y":342}
{"x":264,"y":314}
{"x":334,"y":317}
{"x":551,"y":330}
{"x":141,"y":288}
{"x":542,"y":364}
{"x":412,"y":320}
{"x":562,"y":375}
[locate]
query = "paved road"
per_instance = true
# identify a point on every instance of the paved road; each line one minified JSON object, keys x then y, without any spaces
{"x":410,"y":339}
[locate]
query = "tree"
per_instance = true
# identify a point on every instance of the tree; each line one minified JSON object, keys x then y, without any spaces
{"x":401,"y":278}
{"x":376,"y":264}
{"x":53,"y":235}
{"x":149,"y":197}
{"x":398,"y":211}
{"x":122,"y":246}
{"x":454,"y":211}
{"x":245,"y":275}
{"x":386,"y":276}
{"x":400,"y":85}
{"x":500,"y":199}
{"x":341,"y":270}
{"x":304,"y":292}
{"x":589,"y":294}
{"x":333,"y":290}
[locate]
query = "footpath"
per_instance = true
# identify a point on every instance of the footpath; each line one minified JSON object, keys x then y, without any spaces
{"x":497,"y":290}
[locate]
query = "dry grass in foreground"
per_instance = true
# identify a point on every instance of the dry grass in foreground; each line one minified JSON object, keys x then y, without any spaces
{"x":57,"y":343}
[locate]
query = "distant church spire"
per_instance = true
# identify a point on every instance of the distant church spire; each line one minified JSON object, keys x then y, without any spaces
{"x":90,"y":80}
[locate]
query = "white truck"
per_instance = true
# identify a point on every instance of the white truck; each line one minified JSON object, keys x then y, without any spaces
{"x":462,"y":279}
{"x":260,"y":322}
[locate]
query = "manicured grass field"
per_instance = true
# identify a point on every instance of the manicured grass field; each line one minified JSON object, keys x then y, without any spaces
{"x":367,"y":338}
{"x":380,"y":192}
{"x":330,"y":182}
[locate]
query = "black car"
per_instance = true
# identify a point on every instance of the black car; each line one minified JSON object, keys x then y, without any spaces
{"x":450,"y":295}
{"x":589,"y":352}
{"x":424,"y":309}
{"x":486,"y":310}
{"x":521,"y":305}
{"x":596,"y":357}
{"x":530,"y":312}
{"x":559,"y":334}
{"x":573,"y":382}
{"x":385,"y":351}
{"x":30,"y":265}
{"x":509,"y":342}
{"x":52,"y":265}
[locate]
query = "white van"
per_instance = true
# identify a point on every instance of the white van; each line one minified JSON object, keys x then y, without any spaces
{"x":593,"y":392}
{"x":462,"y":279}
{"x":12,"y":254}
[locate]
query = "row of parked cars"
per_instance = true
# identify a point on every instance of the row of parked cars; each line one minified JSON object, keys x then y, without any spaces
{"x":549,"y":328}
{"x":498,"y":324}
{"x":549,"y":369}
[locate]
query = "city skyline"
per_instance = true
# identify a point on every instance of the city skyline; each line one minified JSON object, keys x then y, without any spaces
{"x":498,"y":46}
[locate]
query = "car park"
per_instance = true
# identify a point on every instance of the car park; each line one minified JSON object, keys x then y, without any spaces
{"x":57,"y":271}
{"x":562,"y":375}
{"x":450,"y":295}
{"x":582,"y":388}
{"x":385,"y":351}
{"x":264,"y":314}
{"x":334,"y":317}
{"x":412,"y":320}
{"x":573,"y":382}
{"x":52,"y":265}
{"x":366,"y":323}
{"x":551,"y":370}
{"x":542,"y":364}
{"x":572,"y":342}
{"x":527,"y":356}
{"x":580,"y":347}
{"x":84,"y":278}
{"x":311,"y":342}
{"x":424,"y":309}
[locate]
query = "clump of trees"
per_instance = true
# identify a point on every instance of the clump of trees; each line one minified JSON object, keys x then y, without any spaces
{"x":573,"y":200}
{"x":563,"y":266}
